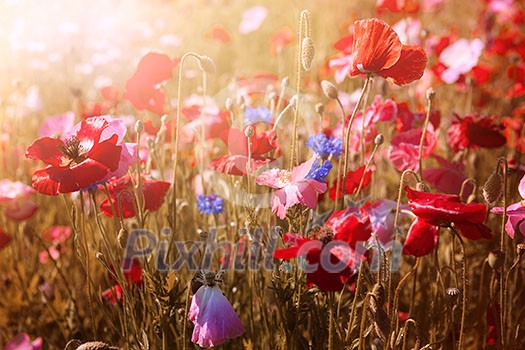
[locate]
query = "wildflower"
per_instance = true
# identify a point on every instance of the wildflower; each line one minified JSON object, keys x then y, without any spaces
{"x":319,"y":172}
{"x":214,"y":318}
{"x":397,"y":6}
{"x":237,"y":142}
{"x":142,"y":88}
{"x":474,"y":131}
{"x":219,"y":33}
{"x":153,"y":195}
{"x":23,"y":342}
{"x":18,"y":200}
{"x":515,"y":213}
{"x":252,"y":19}
{"x":447,"y":177}
{"x":57,"y":235}
{"x":211,"y":204}
{"x":280,"y":39}
{"x":434,"y":210}
{"x":133,"y":278}
{"x":459,"y":58}
{"x":255,"y":115}
{"x":58,"y":125}
{"x":293,"y":187}
{"x":377,"y":49}
{"x":404,"y":148}
{"x":325,"y":146}
{"x":72,"y":165}
{"x":353,"y":179}
{"x":342,"y":62}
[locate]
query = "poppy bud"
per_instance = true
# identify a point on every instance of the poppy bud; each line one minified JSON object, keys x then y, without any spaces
{"x":496,"y":259}
{"x":122,"y":237}
{"x":431,"y":93}
{"x":453,"y":294}
{"x":422,"y":187}
{"x":520,"y":249}
{"x":293,"y":101}
{"x":319,"y":108}
{"x":308,"y":53}
{"x":249,"y":131}
{"x":493,"y":188}
{"x":272,"y":96}
{"x":229,"y":104}
{"x":329,"y":89}
{"x":206,"y":64}
{"x":285,"y":82}
{"x":379,"y":140}
{"x":139,"y":126}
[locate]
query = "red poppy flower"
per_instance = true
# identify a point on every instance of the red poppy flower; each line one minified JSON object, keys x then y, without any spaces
{"x":280,"y":39}
{"x":237,"y":142}
{"x":353,"y":178}
{"x":133,"y":277}
{"x":377,"y":49}
{"x":474,"y":131}
{"x":76,"y":163}
{"x":397,"y":6}
{"x":349,"y":226}
{"x":153,"y":194}
{"x":219,"y":33}
{"x":142,"y":88}
{"x":436,"y":209}
{"x":407,"y":120}
{"x":314,"y":252}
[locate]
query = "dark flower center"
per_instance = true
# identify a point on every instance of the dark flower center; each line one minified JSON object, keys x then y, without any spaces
{"x":73,"y":150}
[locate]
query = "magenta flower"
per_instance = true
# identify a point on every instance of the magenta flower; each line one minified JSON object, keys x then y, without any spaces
{"x":23,"y":342}
{"x":515,"y":213}
{"x":404,"y":148}
{"x":18,"y":200}
{"x":214,"y":318}
{"x":293,"y":187}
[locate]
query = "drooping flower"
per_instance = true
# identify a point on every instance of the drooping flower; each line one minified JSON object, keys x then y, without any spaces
{"x":293,"y":187}
{"x":260,"y":114}
{"x":75,"y":164}
{"x":319,"y":172}
{"x":17,"y":199}
{"x":153,"y":195}
{"x":325,"y":146}
{"x":23,"y":342}
{"x":211,"y":204}
{"x":237,"y":143}
{"x":377,"y":49}
{"x":515,"y":213}
{"x":434,"y":210}
{"x":215,"y":319}
{"x":475,"y":131}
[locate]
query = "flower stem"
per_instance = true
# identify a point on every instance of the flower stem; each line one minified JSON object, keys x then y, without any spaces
{"x":347,"y":135}
{"x":430,"y":98}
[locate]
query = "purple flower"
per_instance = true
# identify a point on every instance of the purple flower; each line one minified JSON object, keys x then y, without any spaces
{"x":214,"y":318}
{"x":325,"y":146}
{"x":211,"y":204}
{"x":23,"y":342}
{"x":255,"y":115}
{"x":319,"y":172}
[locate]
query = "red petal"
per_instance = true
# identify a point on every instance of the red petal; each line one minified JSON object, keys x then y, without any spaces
{"x":376,"y":46}
{"x":90,"y":130}
{"x":409,"y":67}
{"x":353,"y":178}
{"x":474,"y":231}
{"x":421,"y":238}
{"x":107,"y":153}
{"x":154,"y":193}
{"x":47,"y":150}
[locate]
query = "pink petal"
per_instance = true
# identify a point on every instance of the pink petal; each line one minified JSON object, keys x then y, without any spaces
{"x":252,"y":19}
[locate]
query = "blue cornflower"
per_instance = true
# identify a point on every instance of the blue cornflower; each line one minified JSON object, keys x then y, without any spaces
{"x":254,"y":115}
{"x":325,"y":146}
{"x":319,"y":172}
{"x":211,"y":204}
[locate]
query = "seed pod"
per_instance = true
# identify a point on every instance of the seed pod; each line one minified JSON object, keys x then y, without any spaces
{"x":422,"y":187}
{"x":329,"y":89}
{"x":206,"y":64}
{"x":496,"y":259}
{"x":493,"y":188}
{"x":453,"y":294}
{"x":308,"y":53}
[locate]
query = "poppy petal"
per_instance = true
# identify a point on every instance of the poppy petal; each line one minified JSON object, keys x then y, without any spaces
{"x":409,"y":67}
{"x":421,"y":238}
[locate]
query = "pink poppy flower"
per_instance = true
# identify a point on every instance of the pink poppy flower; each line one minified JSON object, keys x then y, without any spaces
{"x":404,"y":148}
{"x":18,"y":200}
{"x":23,"y":342}
{"x":382,"y":214}
{"x":459,"y":58}
{"x":515,"y":213}
{"x":293,"y":187}
{"x":57,"y":125}
{"x":447,"y":177}
{"x":252,"y":19}
{"x":214,"y":318}
{"x":57,"y":235}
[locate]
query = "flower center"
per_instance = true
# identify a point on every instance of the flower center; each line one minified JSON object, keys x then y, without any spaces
{"x":285,"y":177}
{"x":73,"y":150}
